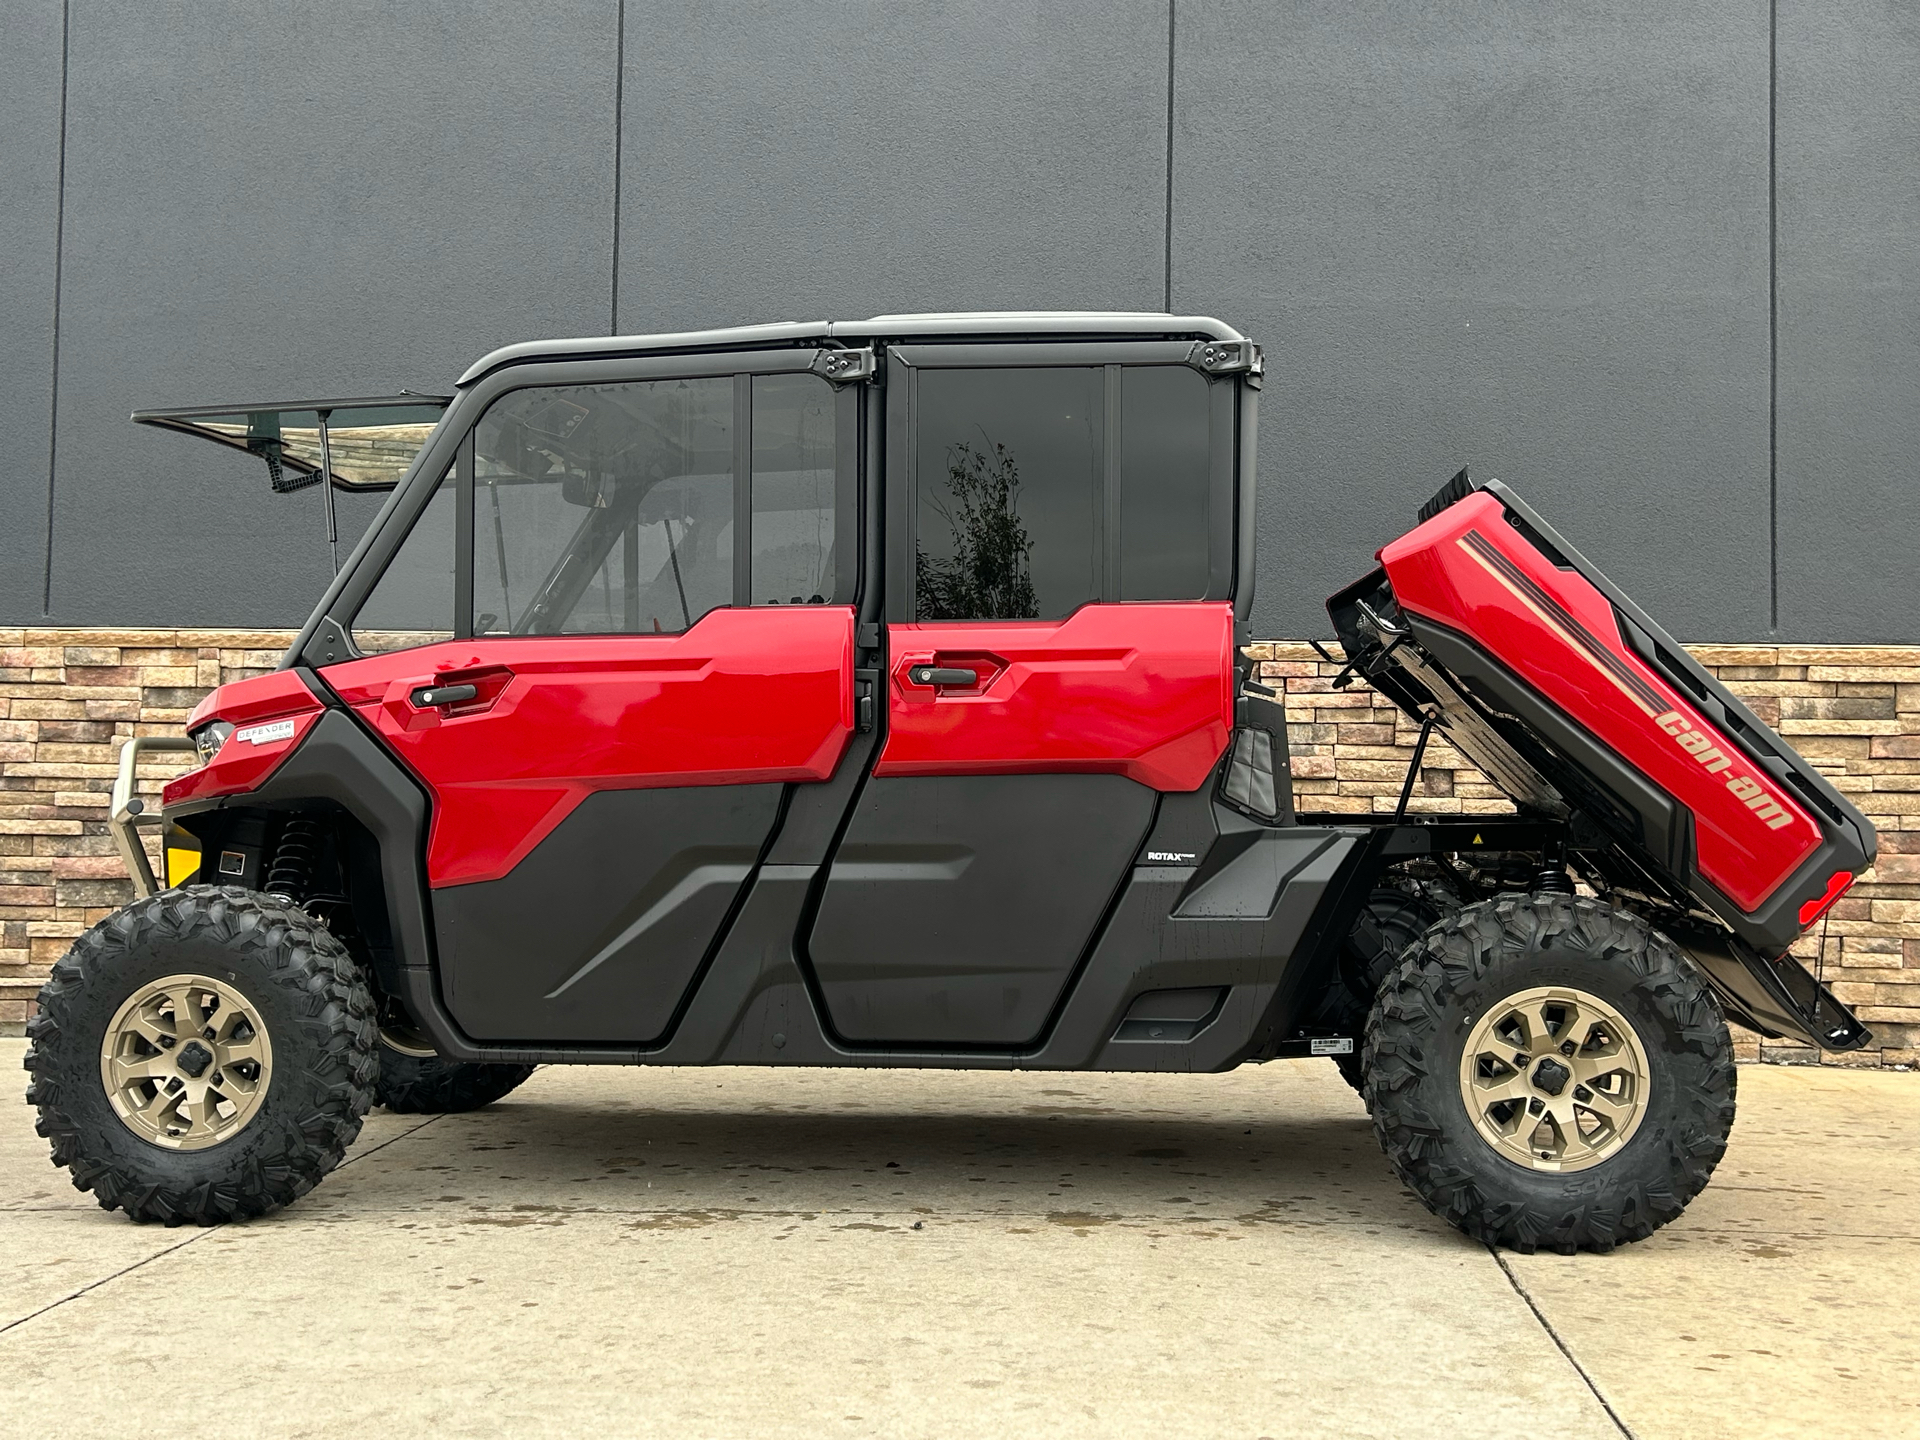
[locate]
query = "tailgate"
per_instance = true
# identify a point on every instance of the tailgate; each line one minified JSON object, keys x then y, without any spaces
{"x":1579,"y":706}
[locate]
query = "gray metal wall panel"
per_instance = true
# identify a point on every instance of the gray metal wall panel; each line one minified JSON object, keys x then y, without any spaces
{"x":265,"y":199}
{"x":29,"y":206}
{"x":1849,"y":278}
{"x":843,"y":159}
{"x":1533,"y":240}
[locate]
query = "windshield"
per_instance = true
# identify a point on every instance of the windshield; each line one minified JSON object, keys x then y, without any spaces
{"x":370,"y":442}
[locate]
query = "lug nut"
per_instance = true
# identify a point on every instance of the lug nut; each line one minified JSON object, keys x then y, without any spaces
{"x":1567,"y":1047}
{"x":1520,"y":1058}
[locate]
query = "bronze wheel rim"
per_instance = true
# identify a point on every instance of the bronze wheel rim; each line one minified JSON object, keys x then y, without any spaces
{"x":403,"y":1039}
{"x":186,"y":1062}
{"x":1554,"y":1079}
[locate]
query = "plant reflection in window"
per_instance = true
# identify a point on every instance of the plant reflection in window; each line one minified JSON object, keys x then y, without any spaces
{"x":988,"y":576}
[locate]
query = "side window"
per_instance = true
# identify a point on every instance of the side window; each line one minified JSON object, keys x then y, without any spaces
{"x":1009,"y":468}
{"x":412,"y":604}
{"x":603,"y":509}
{"x":1161,"y":478}
{"x":793,"y":491}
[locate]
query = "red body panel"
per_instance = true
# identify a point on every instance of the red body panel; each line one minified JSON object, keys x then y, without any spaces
{"x":744,"y":697}
{"x":261,"y":709}
{"x":1469,"y":570}
{"x":1140,"y":690}
{"x":260,"y":697}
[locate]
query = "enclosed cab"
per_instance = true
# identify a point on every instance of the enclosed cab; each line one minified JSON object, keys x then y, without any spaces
{"x":875,"y":693}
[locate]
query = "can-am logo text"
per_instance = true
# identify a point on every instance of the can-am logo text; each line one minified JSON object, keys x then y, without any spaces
{"x":1716,"y":760}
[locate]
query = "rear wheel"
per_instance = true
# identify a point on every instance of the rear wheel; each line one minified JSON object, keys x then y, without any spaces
{"x":202,"y":1055}
{"x":416,"y":1081}
{"x":1545,"y":1070}
{"x":1392,"y":920}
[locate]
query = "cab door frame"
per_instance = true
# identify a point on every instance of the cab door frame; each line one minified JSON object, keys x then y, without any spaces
{"x":331,"y":646}
{"x":902,"y":481}
{"x":328,"y":640}
{"x":899,"y":870}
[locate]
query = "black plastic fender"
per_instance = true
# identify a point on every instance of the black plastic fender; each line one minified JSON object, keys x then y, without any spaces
{"x":339,"y":762}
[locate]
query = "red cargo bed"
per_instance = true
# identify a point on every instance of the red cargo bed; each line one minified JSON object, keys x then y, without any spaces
{"x":1484,"y":620}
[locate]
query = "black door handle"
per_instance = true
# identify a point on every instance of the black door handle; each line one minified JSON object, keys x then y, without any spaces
{"x":941,"y":675}
{"x":429,"y":696}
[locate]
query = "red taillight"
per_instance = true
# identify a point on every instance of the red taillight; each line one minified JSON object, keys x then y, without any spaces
{"x":1841,"y":882}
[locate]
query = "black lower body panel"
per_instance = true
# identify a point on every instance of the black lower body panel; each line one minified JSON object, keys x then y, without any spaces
{"x":596,"y":935}
{"x":958,"y":906}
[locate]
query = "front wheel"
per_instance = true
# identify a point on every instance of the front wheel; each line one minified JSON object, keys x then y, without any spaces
{"x":202,"y":1055}
{"x":416,"y":1081}
{"x":1545,"y":1070}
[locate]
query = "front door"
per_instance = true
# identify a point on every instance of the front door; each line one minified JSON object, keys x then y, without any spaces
{"x":652,"y":638}
{"x":1060,"y":647}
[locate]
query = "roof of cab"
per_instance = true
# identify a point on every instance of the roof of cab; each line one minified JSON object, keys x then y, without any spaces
{"x":958,"y":324}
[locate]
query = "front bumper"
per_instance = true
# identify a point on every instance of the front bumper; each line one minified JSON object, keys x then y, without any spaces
{"x":128,"y":812}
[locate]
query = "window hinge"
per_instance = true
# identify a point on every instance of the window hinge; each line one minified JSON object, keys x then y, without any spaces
{"x":1228,"y":357}
{"x":844,"y":367}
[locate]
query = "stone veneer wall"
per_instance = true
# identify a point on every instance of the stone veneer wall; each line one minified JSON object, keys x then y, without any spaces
{"x":68,"y":697}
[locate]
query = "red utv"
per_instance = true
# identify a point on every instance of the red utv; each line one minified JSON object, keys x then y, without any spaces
{"x":874,"y":694}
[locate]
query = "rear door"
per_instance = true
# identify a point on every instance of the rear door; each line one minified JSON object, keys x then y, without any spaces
{"x":1059,"y":640}
{"x":618,"y":630}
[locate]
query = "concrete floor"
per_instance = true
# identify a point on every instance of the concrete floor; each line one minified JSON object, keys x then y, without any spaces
{"x":733,"y":1252}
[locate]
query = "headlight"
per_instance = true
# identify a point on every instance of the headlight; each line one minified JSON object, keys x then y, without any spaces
{"x":209,"y":738}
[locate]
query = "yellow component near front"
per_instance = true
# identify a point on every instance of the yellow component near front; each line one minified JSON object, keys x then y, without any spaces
{"x":183,"y":856}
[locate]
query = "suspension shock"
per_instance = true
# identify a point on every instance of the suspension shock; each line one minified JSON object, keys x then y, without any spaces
{"x":1553,"y":878}
{"x":291,"y":874}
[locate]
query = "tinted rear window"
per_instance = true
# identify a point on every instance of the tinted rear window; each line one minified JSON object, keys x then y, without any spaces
{"x":1009,"y":470}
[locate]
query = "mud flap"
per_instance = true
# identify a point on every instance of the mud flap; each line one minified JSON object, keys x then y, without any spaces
{"x":1778,"y":998}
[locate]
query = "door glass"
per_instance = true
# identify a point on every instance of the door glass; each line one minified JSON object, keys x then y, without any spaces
{"x":793,"y":490}
{"x":603,"y":508}
{"x":1008,"y":466}
{"x":1163,"y":475}
{"x":413,"y":602}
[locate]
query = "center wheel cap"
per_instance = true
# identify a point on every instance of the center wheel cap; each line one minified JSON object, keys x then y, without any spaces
{"x":194,"y":1058}
{"x":1551,"y":1076}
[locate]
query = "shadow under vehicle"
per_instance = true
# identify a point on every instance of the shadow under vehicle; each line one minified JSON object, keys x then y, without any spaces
{"x":875,"y":694}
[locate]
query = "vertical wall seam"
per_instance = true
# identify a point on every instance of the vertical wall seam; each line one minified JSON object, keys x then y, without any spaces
{"x":619,"y":130}
{"x":1773,"y":316}
{"x":59,"y":250}
{"x":1168,"y":298}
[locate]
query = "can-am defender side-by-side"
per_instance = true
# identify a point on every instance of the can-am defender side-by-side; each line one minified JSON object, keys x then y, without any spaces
{"x":874,"y":694}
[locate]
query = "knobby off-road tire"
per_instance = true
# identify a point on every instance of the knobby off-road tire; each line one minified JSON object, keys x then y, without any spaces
{"x":417,"y":1084}
{"x":1389,"y":923}
{"x":1499,"y":958}
{"x":248,"y":958}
